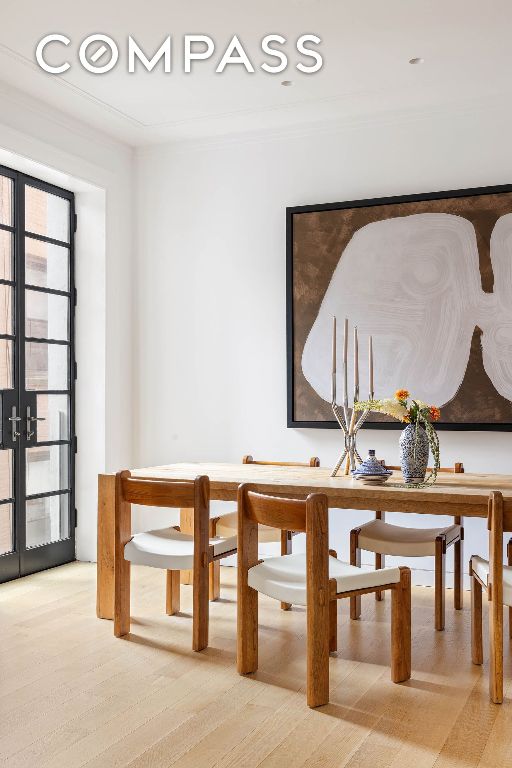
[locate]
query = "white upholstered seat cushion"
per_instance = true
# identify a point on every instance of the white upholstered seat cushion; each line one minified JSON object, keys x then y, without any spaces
{"x":284,"y":578}
{"x":170,"y":549}
{"x":386,"y":539}
{"x":481,"y":568}
{"x":227,"y":525}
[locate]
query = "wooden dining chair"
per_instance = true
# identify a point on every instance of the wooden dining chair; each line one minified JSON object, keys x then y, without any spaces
{"x":227,"y":525}
{"x":496,"y":579}
{"x":400,"y":541}
{"x":316,"y":580}
{"x":166,"y":548}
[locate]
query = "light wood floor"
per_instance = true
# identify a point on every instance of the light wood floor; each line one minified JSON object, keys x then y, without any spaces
{"x":72,"y":695}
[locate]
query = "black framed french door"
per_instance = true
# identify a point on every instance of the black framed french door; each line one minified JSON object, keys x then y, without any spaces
{"x":37,"y":375}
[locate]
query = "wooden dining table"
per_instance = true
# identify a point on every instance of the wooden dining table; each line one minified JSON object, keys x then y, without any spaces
{"x":465,"y":495}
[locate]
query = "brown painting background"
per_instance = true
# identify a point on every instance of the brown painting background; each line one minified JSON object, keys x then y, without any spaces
{"x":319,"y":239}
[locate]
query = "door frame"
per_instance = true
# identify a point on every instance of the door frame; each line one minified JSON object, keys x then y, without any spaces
{"x":24,"y":561}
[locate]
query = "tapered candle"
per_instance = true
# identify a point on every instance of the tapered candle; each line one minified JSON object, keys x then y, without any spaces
{"x":345,"y":361}
{"x":356,"y":365}
{"x":370,"y":365}
{"x":333,"y":381}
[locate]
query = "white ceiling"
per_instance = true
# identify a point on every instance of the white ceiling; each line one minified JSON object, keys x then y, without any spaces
{"x":366,"y":45}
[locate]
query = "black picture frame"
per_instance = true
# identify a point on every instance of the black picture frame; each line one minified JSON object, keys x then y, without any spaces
{"x":293,"y":211}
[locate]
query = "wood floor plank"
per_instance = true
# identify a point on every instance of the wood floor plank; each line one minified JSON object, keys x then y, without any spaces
{"x":470,"y":732}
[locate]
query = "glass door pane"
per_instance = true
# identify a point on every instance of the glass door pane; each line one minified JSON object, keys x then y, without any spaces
{"x":46,"y":315}
{"x":6,"y":201}
{"x":46,"y":366}
{"x":6,"y":254}
{"x":46,"y":265}
{"x":6,"y":364}
{"x":47,"y":214}
{"x":6,"y":507}
{"x":6,"y":529}
{"x":47,"y":520}
{"x":47,"y":469}
{"x":54,"y":409}
{"x":6,"y":309}
{"x":6,"y":475}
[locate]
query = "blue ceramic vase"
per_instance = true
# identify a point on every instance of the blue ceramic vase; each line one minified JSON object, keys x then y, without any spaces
{"x":414,"y":451}
{"x":371,"y":470}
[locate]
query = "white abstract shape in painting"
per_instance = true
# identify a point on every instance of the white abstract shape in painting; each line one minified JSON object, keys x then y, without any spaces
{"x":495,"y":311}
{"x":413,"y":282}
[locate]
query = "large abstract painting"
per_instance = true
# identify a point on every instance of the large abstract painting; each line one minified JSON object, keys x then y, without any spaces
{"x":430,"y":278}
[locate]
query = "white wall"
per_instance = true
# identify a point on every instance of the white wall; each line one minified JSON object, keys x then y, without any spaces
{"x":53,"y":146}
{"x":210,"y":282}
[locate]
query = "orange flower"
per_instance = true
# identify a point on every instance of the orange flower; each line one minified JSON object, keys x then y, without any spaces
{"x":402,"y":394}
{"x":435,"y":413}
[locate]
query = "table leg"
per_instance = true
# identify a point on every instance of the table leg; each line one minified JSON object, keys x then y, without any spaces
{"x":105,"y":556}
{"x":186,"y":526}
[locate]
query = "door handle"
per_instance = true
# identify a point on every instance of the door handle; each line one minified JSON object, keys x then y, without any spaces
{"x":13,"y":418}
{"x":30,"y":419}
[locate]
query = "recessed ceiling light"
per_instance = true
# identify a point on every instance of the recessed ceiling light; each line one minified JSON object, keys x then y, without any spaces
{"x":287,"y":83}
{"x":416,"y":60}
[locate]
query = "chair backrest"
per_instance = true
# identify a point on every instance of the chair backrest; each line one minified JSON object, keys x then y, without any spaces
{"x":194,"y":494}
{"x":499,"y":522}
{"x":309,"y":516}
{"x":457,"y":468}
{"x":161,"y":493}
{"x":313,"y":462}
{"x":286,"y":514}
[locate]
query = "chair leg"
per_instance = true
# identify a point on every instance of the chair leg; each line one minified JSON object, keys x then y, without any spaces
{"x":333,"y":615}
{"x":286,"y":549}
{"x":247,"y":630}
{"x":122,"y":534}
{"x":379,"y":559}
{"x":355,"y":559}
{"x":458,"y":558}
{"x":401,"y":628}
{"x":122,"y":598}
{"x":440,"y":580}
{"x":509,"y":561}
{"x":214,"y":567}
{"x":496,"y":652}
{"x":318,"y":643}
{"x":333,"y":626}
{"x":200,"y":615}
{"x":214,"y":580}
{"x":172,"y":593}
{"x":379,"y":563}
{"x":477,"y":654}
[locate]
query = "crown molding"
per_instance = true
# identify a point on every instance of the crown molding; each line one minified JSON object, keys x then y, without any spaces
{"x":305,"y":129}
{"x":61,"y":81}
{"x":63,"y":121}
